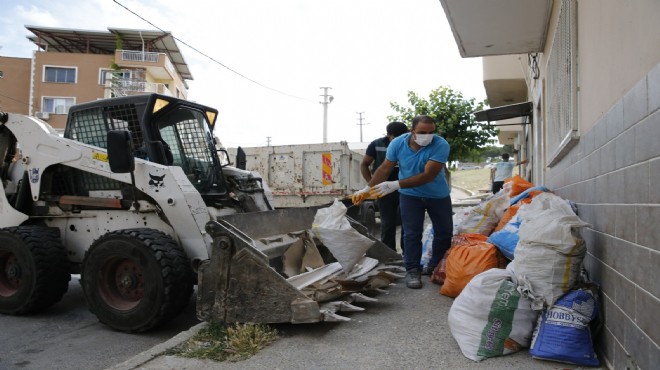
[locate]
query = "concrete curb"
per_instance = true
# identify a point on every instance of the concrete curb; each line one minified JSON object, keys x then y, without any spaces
{"x":464,"y":189}
{"x":157,"y":350}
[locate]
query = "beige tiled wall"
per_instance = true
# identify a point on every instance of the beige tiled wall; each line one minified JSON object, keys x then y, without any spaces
{"x":613,"y":174}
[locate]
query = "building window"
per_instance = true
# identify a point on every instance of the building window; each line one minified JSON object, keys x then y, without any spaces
{"x":108,"y":74}
{"x":57,"y":105}
{"x":65,"y":75}
{"x":561,"y":104}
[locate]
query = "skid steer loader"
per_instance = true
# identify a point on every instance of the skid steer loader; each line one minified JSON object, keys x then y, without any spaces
{"x":134,"y":197}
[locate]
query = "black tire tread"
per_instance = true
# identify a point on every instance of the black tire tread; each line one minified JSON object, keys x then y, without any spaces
{"x":174,"y":269}
{"x":51,"y":266}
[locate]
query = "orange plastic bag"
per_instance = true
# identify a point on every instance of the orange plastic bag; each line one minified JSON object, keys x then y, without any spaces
{"x":440,"y":272}
{"x":518,"y":185}
{"x":467,"y":260}
{"x":507,"y":216}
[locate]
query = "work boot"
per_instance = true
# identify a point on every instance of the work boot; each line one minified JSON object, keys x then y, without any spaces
{"x":413,"y":280}
{"x":428,"y":270}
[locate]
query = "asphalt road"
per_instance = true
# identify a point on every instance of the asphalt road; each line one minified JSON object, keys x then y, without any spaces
{"x":68,"y":336}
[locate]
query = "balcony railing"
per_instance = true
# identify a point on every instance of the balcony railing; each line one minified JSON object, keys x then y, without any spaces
{"x":139,"y":56}
{"x":125,"y":87}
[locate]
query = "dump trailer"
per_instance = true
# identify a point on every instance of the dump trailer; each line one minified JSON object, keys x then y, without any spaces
{"x":135,"y":199}
{"x":304,"y":175}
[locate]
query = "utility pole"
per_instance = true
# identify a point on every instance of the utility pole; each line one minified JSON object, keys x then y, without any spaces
{"x":268,"y":140}
{"x":327,"y":99}
{"x":361,"y":124}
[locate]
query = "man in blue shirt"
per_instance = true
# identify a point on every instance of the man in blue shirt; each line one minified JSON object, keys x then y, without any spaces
{"x":422,"y":157}
{"x":388,"y":206}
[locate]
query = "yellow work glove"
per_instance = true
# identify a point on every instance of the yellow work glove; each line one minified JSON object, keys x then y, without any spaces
{"x":361,"y":195}
{"x":384,"y":188}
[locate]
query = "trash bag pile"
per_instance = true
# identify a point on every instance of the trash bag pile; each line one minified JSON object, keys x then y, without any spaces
{"x":515,"y":269}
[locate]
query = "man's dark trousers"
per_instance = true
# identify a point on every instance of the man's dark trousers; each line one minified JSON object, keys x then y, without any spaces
{"x":388,"y":206}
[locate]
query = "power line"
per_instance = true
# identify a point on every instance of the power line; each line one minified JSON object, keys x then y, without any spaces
{"x":213,"y":59}
{"x":18,"y":101}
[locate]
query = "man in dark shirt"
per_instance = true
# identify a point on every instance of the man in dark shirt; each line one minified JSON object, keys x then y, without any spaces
{"x":388,"y":205}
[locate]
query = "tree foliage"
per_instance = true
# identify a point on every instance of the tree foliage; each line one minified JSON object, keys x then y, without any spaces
{"x":454,"y":118}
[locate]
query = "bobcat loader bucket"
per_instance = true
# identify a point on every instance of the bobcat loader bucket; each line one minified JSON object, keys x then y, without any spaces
{"x":244,"y":280}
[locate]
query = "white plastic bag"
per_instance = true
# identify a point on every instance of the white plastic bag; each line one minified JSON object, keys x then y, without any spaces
{"x":550,"y":251}
{"x":427,"y":245}
{"x":345,"y":243}
{"x":490,"y":317}
{"x":484,"y":217}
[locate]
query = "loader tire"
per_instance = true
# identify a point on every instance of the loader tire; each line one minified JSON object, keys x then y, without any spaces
{"x":368,"y":218}
{"x":136,"y":279}
{"x":34,"y":269}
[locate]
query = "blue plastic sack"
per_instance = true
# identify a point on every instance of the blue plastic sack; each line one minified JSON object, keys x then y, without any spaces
{"x":525,"y":194}
{"x":507,"y":238}
{"x":563,"y":333}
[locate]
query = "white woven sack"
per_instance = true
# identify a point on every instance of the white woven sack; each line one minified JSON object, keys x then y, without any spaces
{"x":345,"y":243}
{"x":490,"y":317}
{"x":550,"y":251}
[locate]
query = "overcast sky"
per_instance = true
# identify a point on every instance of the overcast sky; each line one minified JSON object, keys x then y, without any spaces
{"x":371,"y":52}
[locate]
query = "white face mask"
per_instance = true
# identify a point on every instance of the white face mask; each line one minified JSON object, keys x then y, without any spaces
{"x":423,"y":139}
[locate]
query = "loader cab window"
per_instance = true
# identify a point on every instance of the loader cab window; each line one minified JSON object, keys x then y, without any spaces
{"x":186,"y":133}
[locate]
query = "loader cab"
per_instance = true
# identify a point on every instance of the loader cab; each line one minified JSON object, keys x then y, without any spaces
{"x":164,"y":130}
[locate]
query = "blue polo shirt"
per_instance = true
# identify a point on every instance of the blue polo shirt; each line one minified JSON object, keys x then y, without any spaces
{"x":412,"y":163}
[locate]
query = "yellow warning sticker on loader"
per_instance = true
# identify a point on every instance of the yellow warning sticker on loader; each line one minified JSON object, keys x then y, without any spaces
{"x":100,"y":156}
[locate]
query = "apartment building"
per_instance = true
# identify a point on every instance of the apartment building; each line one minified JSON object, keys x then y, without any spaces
{"x":577,"y":84}
{"x":75,"y":66}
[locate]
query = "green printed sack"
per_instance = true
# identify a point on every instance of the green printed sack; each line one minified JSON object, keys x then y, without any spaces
{"x":490,"y":318}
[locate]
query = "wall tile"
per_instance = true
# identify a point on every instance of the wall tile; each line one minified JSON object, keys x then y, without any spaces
{"x":605,"y":347}
{"x":625,"y":296}
{"x":588,"y":141}
{"x":615,"y":189}
{"x":621,"y":359}
{"x":647,"y":273}
{"x":637,"y":345}
{"x":636,"y":263}
{"x":586,"y":213}
{"x":607,"y":219}
{"x":591,"y":197}
{"x":648,"y":231}
{"x":646,"y":314}
{"x":573,"y":174}
{"x":614,"y":318}
{"x":608,"y":157}
{"x":579,"y":170}
{"x":594,"y":163}
{"x":615,"y":120}
{"x":654,"y":88}
{"x":617,"y":253}
{"x":647,"y":137}
{"x":601,"y":196}
{"x":636,"y":184}
{"x":580,"y":192}
{"x":654,"y":181}
{"x":600,"y":132}
{"x":654,"y":353}
{"x":625,"y":149}
{"x":635,"y":104}
{"x":626,"y":223}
